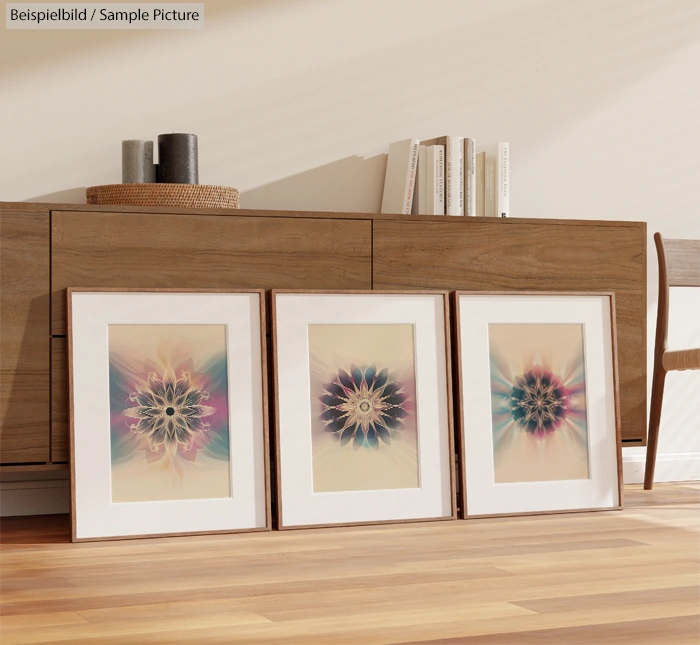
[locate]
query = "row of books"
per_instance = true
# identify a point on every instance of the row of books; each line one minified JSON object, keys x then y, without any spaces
{"x":447,"y":176}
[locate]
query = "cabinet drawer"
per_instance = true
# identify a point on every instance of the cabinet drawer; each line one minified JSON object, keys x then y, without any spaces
{"x":93,"y":249}
{"x":532,"y":255}
{"x":60,"y":443}
{"x":24,"y":339}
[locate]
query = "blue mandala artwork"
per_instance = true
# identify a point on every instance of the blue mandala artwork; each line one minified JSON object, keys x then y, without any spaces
{"x":364,"y":406}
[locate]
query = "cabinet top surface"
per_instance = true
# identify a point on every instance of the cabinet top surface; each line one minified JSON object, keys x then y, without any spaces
{"x":18,"y":207}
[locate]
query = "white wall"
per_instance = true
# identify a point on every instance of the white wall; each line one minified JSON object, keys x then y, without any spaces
{"x":296,"y":101}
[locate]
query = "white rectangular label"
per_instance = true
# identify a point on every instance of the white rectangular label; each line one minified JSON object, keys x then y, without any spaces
{"x":94,"y":15}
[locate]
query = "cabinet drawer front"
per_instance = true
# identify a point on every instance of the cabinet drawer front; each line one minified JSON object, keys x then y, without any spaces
{"x":201,"y":251}
{"x":24,"y":340}
{"x":532,"y":256}
{"x":493,"y":255}
{"x":60,"y":441}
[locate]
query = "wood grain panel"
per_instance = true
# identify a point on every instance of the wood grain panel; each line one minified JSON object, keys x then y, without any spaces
{"x":532,"y":256}
{"x":60,"y":441}
{"x":93,"y":249}
{"x":24,"y":342}
{"x":632,"y":372}
{"x":683,"y":262}
{"x":624,"y":577}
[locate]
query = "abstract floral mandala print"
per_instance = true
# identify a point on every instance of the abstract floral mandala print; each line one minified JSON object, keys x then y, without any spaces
{"x":168,"y":412}
{"x":364,"y":406}
{"x":538,"y":401}
{"x":364,"y":433}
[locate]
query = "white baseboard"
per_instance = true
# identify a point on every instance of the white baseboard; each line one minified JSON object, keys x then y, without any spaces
{"x":35,"y":497}
{"x":670,"y":467}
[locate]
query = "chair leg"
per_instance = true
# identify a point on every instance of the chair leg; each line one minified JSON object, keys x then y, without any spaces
{"x":657,"y":395}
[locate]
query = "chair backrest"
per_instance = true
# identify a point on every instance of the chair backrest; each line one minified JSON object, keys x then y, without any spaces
{"x":682,"y":262}
{"x":679,"y":266}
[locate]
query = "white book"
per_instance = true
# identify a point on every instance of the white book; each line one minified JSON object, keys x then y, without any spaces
{"x":400,"y":177}
{"x":420,"y":193}
{"x":497,"y":180}
{"x":454,"y":172}
{"x":490,"y":187}
{"x":435,"y":191}
{"x":469,"y":177}
{"x":455,"y":176}
{"x":503,"y":180}
{"x":480,"y":179}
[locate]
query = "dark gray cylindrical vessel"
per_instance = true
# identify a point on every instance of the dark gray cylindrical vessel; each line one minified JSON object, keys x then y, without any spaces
{"x":178,"y":159}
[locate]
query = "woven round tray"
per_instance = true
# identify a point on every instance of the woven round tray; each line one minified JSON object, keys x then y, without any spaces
{"x":187,"y":195}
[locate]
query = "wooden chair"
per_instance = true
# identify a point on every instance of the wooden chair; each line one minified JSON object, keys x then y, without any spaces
{"x":679,"y":266}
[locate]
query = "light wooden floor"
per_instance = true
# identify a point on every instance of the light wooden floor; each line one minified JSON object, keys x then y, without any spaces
{"x":612,"y":577}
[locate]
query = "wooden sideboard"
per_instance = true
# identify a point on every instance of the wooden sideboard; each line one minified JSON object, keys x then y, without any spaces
{"x":45,"y":248}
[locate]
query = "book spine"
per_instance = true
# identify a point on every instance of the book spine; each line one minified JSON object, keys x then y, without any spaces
{"x":434,"y":180}
{"x":439,"y":204}
{"x":420,"y":191}
{"x":429,"y":178}
{"x":503,"y":187}
{"x":469,"y":177}
{"x":490,"y":187}
{"x":460,"y":175}
{"x":454,"y":185}
{"x":400,"y":176}
{"x":480,"y":192}
{"x":411,"y":179}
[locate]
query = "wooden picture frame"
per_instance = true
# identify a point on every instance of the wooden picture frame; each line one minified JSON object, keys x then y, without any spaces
{"x":303,"y":475}
{"x":241,"y":311}
{"x":481,"y":363}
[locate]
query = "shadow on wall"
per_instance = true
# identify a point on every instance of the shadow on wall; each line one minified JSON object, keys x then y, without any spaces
{"x":68,"y":196}
{"x":563,"y":60}
{"x":352,"y":185}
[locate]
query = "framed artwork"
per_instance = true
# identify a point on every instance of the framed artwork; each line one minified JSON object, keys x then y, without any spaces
{"x":363,"y":409}
{"x":538,"y":402}
{"x":167,"y":412}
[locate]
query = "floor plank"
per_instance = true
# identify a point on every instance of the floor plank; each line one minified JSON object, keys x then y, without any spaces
{"x":606,"y":577}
